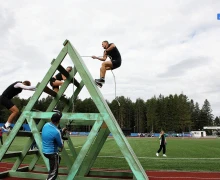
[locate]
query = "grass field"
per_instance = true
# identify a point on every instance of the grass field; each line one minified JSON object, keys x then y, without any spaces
{"x":182,"y":154}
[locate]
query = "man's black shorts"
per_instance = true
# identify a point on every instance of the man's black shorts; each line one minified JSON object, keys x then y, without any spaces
{"x":4,"y":101}
{"x":116,"y":63}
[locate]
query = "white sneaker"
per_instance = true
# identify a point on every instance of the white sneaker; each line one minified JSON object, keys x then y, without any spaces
{"x":164,"y":155}
{"x":8,"y":129}
{"x":157,"y":154}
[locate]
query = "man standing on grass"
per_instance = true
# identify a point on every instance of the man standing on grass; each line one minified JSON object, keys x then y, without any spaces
{"x":51,"y":141}
{"x":162,"y":144}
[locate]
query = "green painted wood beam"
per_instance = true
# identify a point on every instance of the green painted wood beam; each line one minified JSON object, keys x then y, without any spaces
{"x":68,"y":116}
{"x":44,"y":169}
{"x":95,"y":178}
{"x":74,"y":96}
{"x":17,"y":153}
{"x":6,"y":173}
{"x":37,"y":137}
{"x":84,"y":150}
{"x":31,"y":175}
{"x":66,"y":159}
{"x":33,"y":162}
{"x":10,"y":138}
{"x":72,"y":148}
{"x":94,"y":150}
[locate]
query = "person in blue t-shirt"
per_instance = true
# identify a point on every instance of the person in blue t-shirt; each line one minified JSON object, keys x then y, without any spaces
{"x":52,"y":141}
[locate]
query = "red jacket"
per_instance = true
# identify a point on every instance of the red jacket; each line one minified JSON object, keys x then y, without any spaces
{"x":1,"y":132}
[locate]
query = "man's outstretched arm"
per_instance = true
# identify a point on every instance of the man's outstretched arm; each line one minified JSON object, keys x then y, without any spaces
{"x":20,"y":85}
{"x":101,"y":59}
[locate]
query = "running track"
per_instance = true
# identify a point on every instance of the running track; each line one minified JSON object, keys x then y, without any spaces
{"x":153,"y":175}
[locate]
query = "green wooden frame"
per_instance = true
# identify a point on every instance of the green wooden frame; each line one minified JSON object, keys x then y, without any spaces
{"x":102,"y":123}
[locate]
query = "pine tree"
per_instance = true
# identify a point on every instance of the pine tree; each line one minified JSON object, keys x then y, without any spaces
{"x":195,"y":117}
{"x":140,"y":116}
{"x":151,"y":107}
{"x":217,"y":121}
{"x":206,"y":118}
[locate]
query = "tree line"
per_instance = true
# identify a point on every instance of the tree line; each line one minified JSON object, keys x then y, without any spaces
{"x":174,"y":113}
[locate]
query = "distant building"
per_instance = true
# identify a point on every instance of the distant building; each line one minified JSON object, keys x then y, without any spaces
{"x":198,"y":134}
{"x":215,"y":129}
{"x":212,"y":127}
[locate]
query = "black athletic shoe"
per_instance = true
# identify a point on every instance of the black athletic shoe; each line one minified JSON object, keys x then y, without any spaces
{"x":98,"y":84}
{"x":100,"y":81}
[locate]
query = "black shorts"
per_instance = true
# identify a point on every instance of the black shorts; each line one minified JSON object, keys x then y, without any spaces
{"x":116,"y":63}
{"x":4,"y":101}
{"x":51,"y":83}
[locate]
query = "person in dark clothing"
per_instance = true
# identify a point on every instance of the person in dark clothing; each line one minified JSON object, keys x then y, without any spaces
{"x":162,"y":144}
{"x":57,"y":80}
{"x":113,"y":53}
{"x":5,"y":99}
{"x":33,"y":145}
{"x":1,"y":134}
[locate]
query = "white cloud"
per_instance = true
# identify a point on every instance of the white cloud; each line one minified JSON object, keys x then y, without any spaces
{"x":167,"y":47}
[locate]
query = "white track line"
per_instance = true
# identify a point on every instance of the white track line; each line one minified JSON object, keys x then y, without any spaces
{"x":163,"y":158}
{"x":75,"y":148}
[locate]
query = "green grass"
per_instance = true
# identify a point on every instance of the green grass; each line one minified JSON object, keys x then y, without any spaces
{"x":182,"y":154}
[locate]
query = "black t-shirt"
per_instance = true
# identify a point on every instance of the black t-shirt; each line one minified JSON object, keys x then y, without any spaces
{"x":59,"y":76}
{"x":11,"y":91}
{"x":114,"y":53}
{"x":162,"y":139}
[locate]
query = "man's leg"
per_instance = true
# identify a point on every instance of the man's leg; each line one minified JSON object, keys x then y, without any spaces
{"x":107,"y":65}
{"x":54,"y":164}
{"x":160,"y":149}
{"x":56,"y":85}
{"x":14,"y":112}
{"x":164,"y":149}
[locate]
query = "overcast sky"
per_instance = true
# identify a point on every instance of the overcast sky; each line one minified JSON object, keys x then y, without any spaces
{"x":167,"y":47}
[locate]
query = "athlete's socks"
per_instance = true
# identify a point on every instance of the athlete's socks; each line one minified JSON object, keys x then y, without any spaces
{"x":7,"y":124}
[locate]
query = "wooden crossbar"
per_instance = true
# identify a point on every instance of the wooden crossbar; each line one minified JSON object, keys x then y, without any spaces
{"x":18,"y":153}
{"x":24,"y":134}
{"x":50,"y":91}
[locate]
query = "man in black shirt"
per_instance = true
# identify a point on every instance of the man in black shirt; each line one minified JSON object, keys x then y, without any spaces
{"x":5,"y":99}
{"x":58,"y":79}
{"x":163,"y":143}
{"x":115,"y":56}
